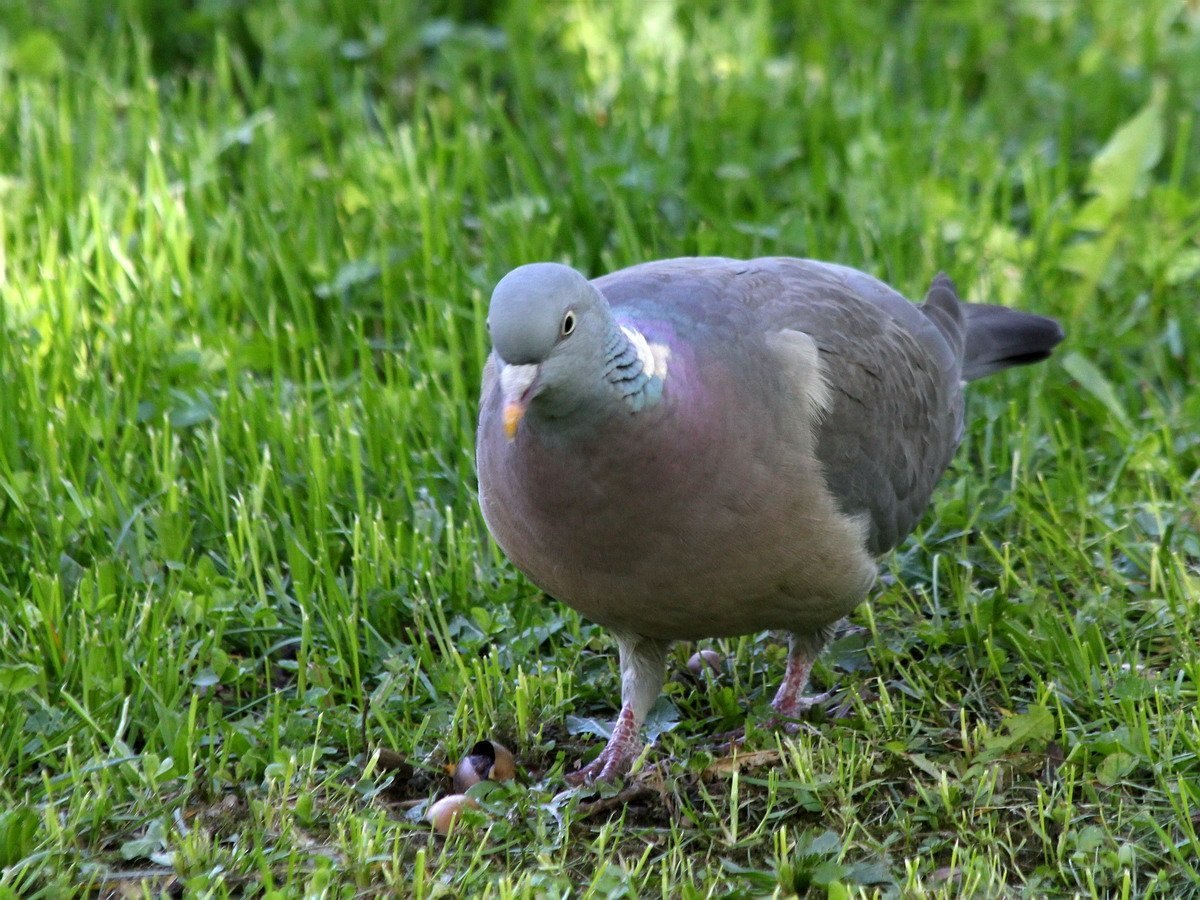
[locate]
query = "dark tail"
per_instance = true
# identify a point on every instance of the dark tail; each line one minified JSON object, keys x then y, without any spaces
{"x":999,"y":337}
{"x":990,"y":338}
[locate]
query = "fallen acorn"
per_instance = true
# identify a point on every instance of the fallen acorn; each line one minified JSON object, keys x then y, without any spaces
{"x":443,"y":814}
{"x":486,"y":761}
{"x":702,"y":659}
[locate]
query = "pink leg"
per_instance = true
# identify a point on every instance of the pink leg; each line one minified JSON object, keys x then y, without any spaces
{"x":643,"y":664}
{"x":618,"y":754}
{"x":803,"y":649}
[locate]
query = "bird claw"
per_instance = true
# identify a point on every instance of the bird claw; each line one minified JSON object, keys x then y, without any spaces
{"x":791,"y":726}
{"x":617,"y":756}
{"x":792,"y":709}
{"x":607,"y":767}
{"x":797,"y":707}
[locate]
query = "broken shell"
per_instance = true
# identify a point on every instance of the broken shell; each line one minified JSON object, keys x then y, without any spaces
{"x":505,"y":766}
{"x":445,"y":812}
{"x":705,"y":659}
{"x":471,"y":770}
{"x":487,"y":761}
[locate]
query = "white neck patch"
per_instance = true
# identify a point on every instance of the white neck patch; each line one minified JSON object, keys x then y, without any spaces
{"x":652,"y":356}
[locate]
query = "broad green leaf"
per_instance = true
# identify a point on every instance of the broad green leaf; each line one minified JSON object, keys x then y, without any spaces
{"x":17,"y":677}
{"x":588,"y":725}
{"x":663,"y":717}
{"x":1092,"y":380}
{"x":1032,"y":726}
{"x":1115,"y":767}
{"x":1119,"y":169}
{"x":1023,"y":731}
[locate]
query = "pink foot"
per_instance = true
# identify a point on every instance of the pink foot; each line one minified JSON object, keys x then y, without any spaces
{"x":793,"y":708}
{"x":617,"y":756}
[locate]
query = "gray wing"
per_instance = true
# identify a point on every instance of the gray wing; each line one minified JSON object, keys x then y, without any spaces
{"x":893,"y":370}
{"x":896,"y":412}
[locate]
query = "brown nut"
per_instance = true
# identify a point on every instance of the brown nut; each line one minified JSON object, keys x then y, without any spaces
{"x":443,"y":814}
{"x":487,"y":761}
{"x":705,"y":659}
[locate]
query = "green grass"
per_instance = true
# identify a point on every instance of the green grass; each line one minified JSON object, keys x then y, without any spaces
{"x":244,"y":254}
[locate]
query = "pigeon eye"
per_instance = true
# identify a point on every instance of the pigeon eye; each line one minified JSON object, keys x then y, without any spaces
{"x":568,"y":324}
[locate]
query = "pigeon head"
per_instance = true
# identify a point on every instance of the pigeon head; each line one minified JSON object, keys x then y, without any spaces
{"x":549,"y":328}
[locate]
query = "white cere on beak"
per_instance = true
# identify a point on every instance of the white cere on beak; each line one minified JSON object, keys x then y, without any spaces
{"x":515,"y":380}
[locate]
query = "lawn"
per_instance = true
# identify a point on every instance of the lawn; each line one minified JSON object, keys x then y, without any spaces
{"x":249,"y":611}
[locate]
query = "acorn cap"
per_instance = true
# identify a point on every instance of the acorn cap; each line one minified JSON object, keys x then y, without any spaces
{"x":486,"y":761}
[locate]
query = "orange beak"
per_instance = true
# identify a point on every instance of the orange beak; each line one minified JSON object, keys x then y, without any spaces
{"x":514,"y":412}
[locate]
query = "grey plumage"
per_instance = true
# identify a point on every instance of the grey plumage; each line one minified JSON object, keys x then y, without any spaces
{"x":998,"y":338}
{"x":722,"y":446}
